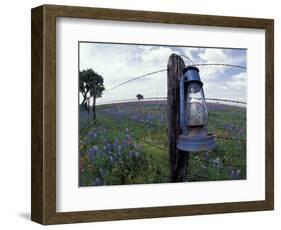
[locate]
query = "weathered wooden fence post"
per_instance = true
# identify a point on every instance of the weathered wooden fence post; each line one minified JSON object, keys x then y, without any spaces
{"x":178,"y":158}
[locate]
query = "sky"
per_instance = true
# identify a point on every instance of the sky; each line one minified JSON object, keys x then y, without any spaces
{"x":117,"y":63}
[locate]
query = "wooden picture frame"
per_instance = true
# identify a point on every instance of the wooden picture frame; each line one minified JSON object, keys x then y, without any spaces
{"x":43,"y":207}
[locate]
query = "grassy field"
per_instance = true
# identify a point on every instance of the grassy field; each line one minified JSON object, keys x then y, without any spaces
{"x":128,"y":145}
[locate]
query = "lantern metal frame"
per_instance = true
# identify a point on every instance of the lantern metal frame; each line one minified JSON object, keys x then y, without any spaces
{"x":192,"y":139}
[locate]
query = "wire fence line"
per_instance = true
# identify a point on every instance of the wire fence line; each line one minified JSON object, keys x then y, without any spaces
{"x":225,"y":100}
{"x":163,"y":70}
{"x":219,"y":64}
{"x":135,"y":78}
{"x":131,"y":100}
{"x":197,"y":176}
{"x":224,"y":164}
{"x":165,"y":98}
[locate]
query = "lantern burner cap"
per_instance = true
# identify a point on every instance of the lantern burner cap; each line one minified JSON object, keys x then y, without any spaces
{"x":196,"y":143}
{"x":191,"y":74}
{"x":191,"y":68}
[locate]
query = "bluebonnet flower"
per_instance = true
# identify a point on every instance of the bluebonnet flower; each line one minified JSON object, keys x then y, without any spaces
{"x":119,"y":149}
{"x":98,"y":182}
{"x":111,"y":160}
{"x":237,"y":174}
{"x":101,"y":173}
{"x":229,"y":170}
{"x":116,"y":141}
{"x":206,"y":156}
{"x":217,"y":163}
{"x":204,"y":169}
{"x":92,"y":134}
{"x":92,"y":152}
{"x":130,"y":154}
{"x":232,"y":174}
{"x":108,"y":147}
{"x":133,"y":154}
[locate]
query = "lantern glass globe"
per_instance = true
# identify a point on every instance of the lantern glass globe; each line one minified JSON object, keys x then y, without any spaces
{"x":196,"y":113}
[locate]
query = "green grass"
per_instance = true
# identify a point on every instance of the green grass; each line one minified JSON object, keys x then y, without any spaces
{"x":130,"y":145}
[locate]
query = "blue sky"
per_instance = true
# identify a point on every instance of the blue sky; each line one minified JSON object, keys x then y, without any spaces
{"x":120,"y":62}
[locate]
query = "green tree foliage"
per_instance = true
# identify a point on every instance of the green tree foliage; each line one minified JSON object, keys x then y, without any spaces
{"x":139,"y":96}
{"x":91,"y":83}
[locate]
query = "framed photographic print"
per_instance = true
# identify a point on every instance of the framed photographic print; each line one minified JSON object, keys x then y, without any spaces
{"x":139,"y":114}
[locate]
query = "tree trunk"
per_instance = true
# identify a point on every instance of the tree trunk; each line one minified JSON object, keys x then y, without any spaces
{"x":84,"y":96}
{"x":84,"y":100}
{"x":94,"y":108}
{"x":88,"y":105}
{"x":178,"y":158}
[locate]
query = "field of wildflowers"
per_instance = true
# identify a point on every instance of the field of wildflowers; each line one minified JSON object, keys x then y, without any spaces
{"x":128,"y":145}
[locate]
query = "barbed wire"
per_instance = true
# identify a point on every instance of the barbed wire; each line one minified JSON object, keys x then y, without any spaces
{"x":225,"y":100}
{"x":162,"y":70}
{"x":231,"y":138}
{"x":135,"y":78}
{"x":219,"y":64}
{"x":165,"y":98}
{"x":197,"y":176}
{"x":224,"y":164}
{"x":132,"y":100}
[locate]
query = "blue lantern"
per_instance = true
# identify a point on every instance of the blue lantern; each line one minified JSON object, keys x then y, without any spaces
{"x":193,"y":114}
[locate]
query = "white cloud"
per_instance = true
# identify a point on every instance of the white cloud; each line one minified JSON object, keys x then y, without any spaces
{"x":119,"y":63}
{"x":214,"y":56}
{"x":159,"y":55}
{"x":231,"y":87}
{"x":238,"y":81}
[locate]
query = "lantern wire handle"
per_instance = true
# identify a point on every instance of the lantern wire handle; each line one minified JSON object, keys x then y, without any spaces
{"x":189,"y":59}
